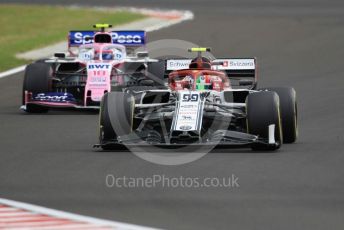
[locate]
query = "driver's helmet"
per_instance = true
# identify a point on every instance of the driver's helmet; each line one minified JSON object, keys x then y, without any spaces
{"x":108,"y":55}
{"x":202,"y":59}
{"x":203,"y":82}
{"x":200,"y":63}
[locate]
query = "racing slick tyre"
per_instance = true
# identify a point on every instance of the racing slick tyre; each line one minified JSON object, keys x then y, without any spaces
{"x":52,"y":64}
{"x":262,"y":111}
{"x":116,"y":118}
{"x":37,"y":79}
{"x":288,"y":108}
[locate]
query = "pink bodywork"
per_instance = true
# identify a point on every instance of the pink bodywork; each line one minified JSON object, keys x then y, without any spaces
{"x":99,"y":71}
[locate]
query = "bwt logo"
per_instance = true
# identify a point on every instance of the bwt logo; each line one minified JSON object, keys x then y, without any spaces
{"x":99,"y":66}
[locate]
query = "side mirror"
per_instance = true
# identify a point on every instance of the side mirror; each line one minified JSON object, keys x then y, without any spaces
{"x":60,"y":55}
{"x":245,"y":82}
{"x":142,"y":54}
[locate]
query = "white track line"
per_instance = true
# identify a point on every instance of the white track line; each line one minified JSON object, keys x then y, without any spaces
{"x":12,"y":71}
{"x":79,"y":219}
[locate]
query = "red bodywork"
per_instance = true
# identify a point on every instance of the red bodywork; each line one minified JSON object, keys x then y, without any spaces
{"x":188,"y":78}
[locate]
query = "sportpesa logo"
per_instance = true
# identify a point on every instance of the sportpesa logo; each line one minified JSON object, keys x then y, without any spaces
{"x":126,"y":39}
{"x":118,"y":37}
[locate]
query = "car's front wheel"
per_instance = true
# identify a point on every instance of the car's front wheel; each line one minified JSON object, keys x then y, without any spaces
{"x":288,"y":107}
{"x":37,"y":79}
{"x":116,"y":116}
{"x":262,"y":110}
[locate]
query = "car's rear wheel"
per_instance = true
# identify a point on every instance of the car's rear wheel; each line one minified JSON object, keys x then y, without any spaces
{"x":116,"y":117}
{"x":37,"y":79}
{"x":262,"y":111}
{"x":288,"y":108}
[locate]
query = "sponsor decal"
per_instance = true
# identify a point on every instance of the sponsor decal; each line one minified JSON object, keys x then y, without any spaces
{"x":98,"y":66}
{"x":98,"y":80}
{"x":178,"y":64}
{"x":133,"y":38}
{"x":54,"y":97}
{"x":227,"y":64}
{"x":186,"y":113}
{"x":186,"y":118}
{"x":188,"y":106}
{"x":185,"y":127}
{"x":128,"y":37}
{"x":118,"y":55}
{"x":80,"y":38}
{"x":241,"y":63}
{"x":98,"y":74}
{"x":88,"y":55}
{"x":235,"y":64}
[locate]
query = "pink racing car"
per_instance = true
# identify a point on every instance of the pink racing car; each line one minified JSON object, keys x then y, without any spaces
{"x":104,"y":62}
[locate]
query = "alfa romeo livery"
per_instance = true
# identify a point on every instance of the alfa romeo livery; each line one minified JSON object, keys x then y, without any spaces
{"x":207,"y":103}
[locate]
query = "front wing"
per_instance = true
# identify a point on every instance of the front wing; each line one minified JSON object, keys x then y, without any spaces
{"x":220,"y":139}
{"x":65,"y":100}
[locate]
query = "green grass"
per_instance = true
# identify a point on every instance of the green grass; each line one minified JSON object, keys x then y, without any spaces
{"x":26,"y":27}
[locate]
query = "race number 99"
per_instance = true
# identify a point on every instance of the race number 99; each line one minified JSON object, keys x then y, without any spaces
{"x":190,"y":97}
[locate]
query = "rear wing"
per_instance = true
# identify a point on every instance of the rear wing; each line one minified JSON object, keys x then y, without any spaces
{"x":131,"y":39}
{"x":241,"y":71}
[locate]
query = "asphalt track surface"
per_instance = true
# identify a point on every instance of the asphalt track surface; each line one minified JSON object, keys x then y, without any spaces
{"x":49,"y":160}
